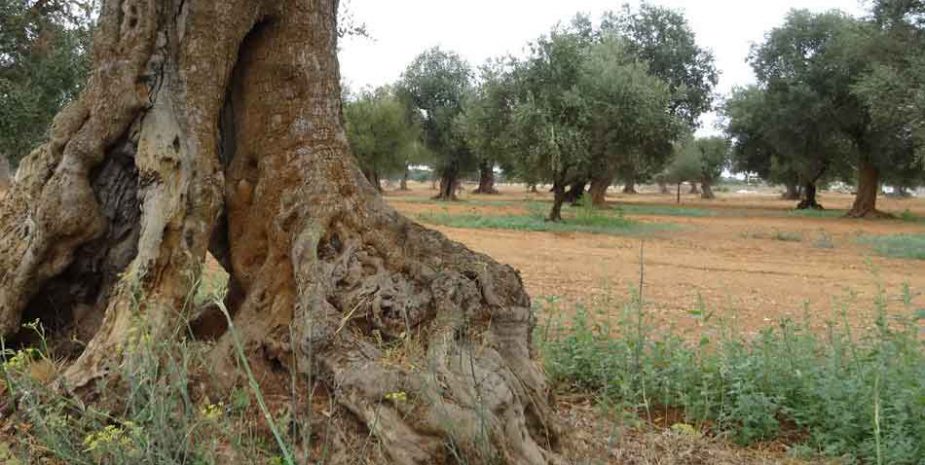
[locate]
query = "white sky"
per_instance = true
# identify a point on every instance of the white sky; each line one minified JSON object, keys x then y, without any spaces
{"x":481,"y":29}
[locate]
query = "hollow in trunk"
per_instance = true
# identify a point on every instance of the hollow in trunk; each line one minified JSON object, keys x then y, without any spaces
{"x":216,"y":126}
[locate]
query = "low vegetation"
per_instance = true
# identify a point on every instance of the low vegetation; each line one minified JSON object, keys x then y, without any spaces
{"x":910,"y":246}
{"x":584,"y":219}
{"x":834,"y":392}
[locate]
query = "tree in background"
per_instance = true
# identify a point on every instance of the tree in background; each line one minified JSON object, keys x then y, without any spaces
{"x":550,"y":113}
{"x":685,"y":166}
{"x":807,"y":102}
{"x":44,"y":54}
{"x":839,"y":91}
{"x":383,"y":137}
{"x":626,"y":110}
{"x":748,"y":124}
{"x":435,"y":86}
{"x":486,"y":121}
{"x":713,"y":155}
{"x":662,"y":37}
{"x":893,"y":92}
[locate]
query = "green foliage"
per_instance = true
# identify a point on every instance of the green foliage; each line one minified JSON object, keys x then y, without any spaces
{"x":911,"y":246}
{"x":858,"y":399}
{"x":486,"y":120}
{"x":382,"y":135}
{"x":662,"y":38}
{"x":700,"y":160}
{"x":550,"y":111}
{"x":44,"y":48}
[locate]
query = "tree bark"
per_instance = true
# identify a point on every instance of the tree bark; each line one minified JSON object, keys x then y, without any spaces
{"x":598,"y":189}
{"x":706,"y":190}
{"x":373,"y":177}
{"x":792,"y":191}
{"x":531,"y":188}
{"x":575,"y":192}
{"x":486,"y":179}
{"x":694,"y":189}
{"x":449,"y":184}
{"x":865,"y":201}
{"x":678,"y":199}
{"x":216,"y":126}
{"x":559,"y":197}
{"x":629,"y":187}
{"x":809,"y":201}
{"x":404,"y":181}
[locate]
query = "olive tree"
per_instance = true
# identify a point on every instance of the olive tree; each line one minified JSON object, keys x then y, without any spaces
{"x":216,"y":127}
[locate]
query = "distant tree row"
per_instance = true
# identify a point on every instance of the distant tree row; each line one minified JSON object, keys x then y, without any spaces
{"x":837,"y":98}
{"x":585,"y":107}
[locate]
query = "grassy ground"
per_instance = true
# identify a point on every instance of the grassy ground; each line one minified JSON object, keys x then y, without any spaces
{"x":581,"y":219}
{"x":855,"y":397}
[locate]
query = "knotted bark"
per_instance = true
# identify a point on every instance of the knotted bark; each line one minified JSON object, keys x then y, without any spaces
{"x":216,"y":126}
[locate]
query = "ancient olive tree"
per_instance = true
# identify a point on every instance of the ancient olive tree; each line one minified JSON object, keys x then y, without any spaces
{"x":807,"y":102}
{"x":435,"y":86}
{"x":626,"y":112}
{"x":215,"y":126}
{"x":550,"y":112}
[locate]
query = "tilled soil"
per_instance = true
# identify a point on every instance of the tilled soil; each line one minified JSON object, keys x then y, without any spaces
{"x":749,"y":262}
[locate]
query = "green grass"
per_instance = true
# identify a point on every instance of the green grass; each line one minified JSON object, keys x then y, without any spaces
{"x":665,"y":210}
{"x":809,"y":213}
{"x":860,"y":398}
{"x":909,"y":246}
{"x":584,"y":220}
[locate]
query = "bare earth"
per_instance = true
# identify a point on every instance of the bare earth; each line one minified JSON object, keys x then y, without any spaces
{"x":733,"y":260}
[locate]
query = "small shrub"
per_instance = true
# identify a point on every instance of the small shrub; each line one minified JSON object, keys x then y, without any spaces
{"x":786,"y":236}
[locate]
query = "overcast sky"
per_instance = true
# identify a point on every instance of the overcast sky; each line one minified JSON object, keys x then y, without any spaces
{"x":481,"y":29}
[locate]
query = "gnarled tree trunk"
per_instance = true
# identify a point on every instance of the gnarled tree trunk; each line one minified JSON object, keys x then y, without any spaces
{"x":706,"y":190}
{"x":216,"y":125}
{"x":558,"y":198}
{"x":809,"y":202}
{"x":486,"y":179}
{"x":598,"y":189}
{"x":865,"y":201}
{"x":449,"y":184}
{"x":694,"y":189}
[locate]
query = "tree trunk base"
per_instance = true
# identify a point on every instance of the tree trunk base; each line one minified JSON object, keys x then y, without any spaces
{"x":872,"y":214}
{"x":216,"y":129}
{"x":809,"y":205}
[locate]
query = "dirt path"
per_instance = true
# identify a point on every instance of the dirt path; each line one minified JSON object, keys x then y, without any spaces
{"x":735,"y":261}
